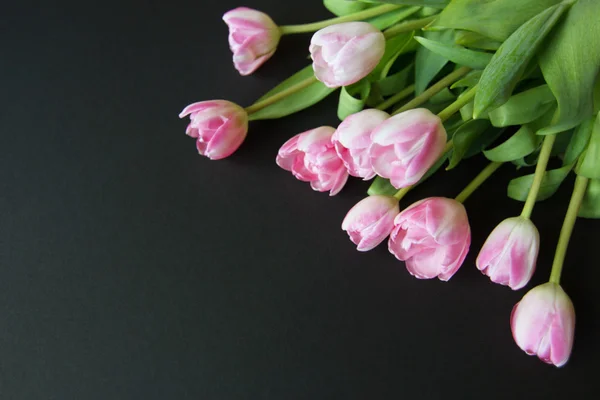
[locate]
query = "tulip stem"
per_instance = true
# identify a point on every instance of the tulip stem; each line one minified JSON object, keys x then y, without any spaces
{"x":458,"y":104}
{"x":540,"y":171}
{"x":479,"y":179}
{"x":259,"y":105}
{"x":401,"y":95}
{"x":581,"y":183}
{"x":434,"y":89}
{"x":357,"y":16}
{"x":408,"y":26}
{"x":402,"y":192}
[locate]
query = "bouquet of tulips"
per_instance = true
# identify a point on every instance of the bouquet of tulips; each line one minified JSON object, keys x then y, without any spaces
{"x":424,"y":84}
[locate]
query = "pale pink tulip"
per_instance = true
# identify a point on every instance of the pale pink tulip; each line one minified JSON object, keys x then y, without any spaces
{"x":543,"y":324}
{"x":219,"y":126}
{"x":432,"y":236}
{"x":310,"y":157}
{"x":509,"y":254}
{"x":370,"y":221}
{"x":253,"y":38}
{"x":406,"y":145}
{"x":352,"y":140}
{"x":345,"y":53}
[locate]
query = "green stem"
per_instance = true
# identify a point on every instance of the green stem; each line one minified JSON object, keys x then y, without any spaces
{"x":458,"y":104}
{"x":401,"y":95}
{"x":565,"y":233}
{"x":434,"y":89}
{"x":315,"y":26}
{"x":259,"y":105}
{"x":479,"y":179}
{"x":408,"y":26}
{"x":402,"y":192}
{"x":540,"y":171}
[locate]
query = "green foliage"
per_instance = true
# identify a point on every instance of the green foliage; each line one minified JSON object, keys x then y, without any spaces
{"x":523,"y":107}
{"x":518,"y":188}
{"x":298,"y":101}
{"x":495,"y":19}
{"x":590,"y":207}
{"x":465,"y":137}
{"x":508,"y":65}
{"x":570,"y":62}
{"x":353,"y":98}
{"x":427,"y":63}
{"x":457,"y":54}
{"x":590,"y":165}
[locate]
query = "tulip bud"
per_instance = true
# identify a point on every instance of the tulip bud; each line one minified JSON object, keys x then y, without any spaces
{"x":406,"y":145}
{"x":345,"y":53}
{"x":310,"y":157}
{"x":509,"y":254}
{"x":543,"y":323}
{"x":219,"y":126}
{"x":370,"y":221}
{"x":253,"y":38}
{"x":352,"y":140}
{"x":432,"y":236}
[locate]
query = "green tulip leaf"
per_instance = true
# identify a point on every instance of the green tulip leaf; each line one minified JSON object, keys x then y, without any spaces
{"x":381,"y":186}
{"x":495,"y":19}
{"x":394,"y":83}
{"x":476,"y":41}
{"x":388,"y":19}
{"x":570,"y":62}
{"x":518,"y":188}
{"x":523,"y":107}
{"x":353,"y":98}
{"x":521,"y":144}
{"x":470,"y":80}
{"x":424,"y":3}
{"x":509,"y":63}
{"x":443,"y":97}
{"x":457,"y":54}
{"x":465,"y":137}
{"x":590,"y":166}
{"x":427,"y":63}
{"x":590,"y":207}
{"x":579,"y":141}
{"x":298,"y":101}
{"x":345,"y":7}
{"x":394,"y":48}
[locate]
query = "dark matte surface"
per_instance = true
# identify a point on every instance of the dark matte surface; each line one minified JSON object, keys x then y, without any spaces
{"x":132,"y":268}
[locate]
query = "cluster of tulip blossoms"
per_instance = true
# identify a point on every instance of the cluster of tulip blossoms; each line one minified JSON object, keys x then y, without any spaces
{"x":468,"y":81}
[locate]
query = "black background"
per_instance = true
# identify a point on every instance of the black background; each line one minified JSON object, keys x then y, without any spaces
{"x":132,"y":268}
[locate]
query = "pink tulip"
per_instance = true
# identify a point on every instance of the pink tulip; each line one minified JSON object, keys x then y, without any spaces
{"x":543,"y":323}
{"x":432,"y":236}
{"x":253,"y":38}
{"x":219,"y":126}
{"x":370,"y":221}
{"x":310,"y":157}
{"x":509,"y":254}
{"x":352,"y":140}
{"x":406,"y":146}
{"x":345,"y":53}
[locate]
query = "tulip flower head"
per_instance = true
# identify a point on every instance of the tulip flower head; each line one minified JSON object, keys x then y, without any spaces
{"x":219,"y":127}
{"x":352,"y":140}
{"x":370,"y":221}
{"x":432,"y":237}
{"x":406,"y":145}
{"x":310,"y":157}
{"x":345,"y":53}
{"x":509,"y":254}
{"x":543,"y":324}
{"x":253,"y":38}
